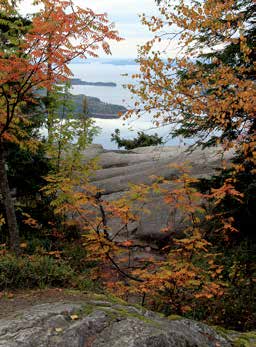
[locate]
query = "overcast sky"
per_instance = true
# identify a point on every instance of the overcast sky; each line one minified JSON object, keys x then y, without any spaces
{"x":125,"y":14}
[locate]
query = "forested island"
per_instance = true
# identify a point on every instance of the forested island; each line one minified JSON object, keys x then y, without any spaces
{"x":107,"y":61}
{"x":79,"y":82}
{"x":96,"y":108}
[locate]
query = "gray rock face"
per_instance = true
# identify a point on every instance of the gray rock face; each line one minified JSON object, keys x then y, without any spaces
{"x":102,"y":324}
{"x":136,"y":166}
{"x":120,"y":168}
{"x":92,"y":151}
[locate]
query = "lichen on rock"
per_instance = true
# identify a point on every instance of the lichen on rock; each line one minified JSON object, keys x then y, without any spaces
{"x":102,"y":322}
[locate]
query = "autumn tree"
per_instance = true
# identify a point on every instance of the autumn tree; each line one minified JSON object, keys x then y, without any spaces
{"x":38,"y":58}
{"x":206,"y":91}
{"x":12,"y":28}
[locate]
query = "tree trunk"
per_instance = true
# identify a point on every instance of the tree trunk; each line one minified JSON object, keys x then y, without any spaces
{"x":8,"y":203}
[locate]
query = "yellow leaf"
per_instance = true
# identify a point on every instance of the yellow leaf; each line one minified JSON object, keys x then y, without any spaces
{"x":74,"y":316}
{"x":23,"y":245}
{"x":58,"y":330}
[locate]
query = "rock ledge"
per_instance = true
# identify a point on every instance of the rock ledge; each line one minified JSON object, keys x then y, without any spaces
{"x":101,"y":322}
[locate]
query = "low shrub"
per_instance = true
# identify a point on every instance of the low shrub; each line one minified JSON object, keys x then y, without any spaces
{"x":142,"y":140}
{"x":34,"y":271}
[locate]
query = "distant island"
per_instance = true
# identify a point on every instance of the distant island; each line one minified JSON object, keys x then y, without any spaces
{"x":79,"y":82}
{"x":116,"y":61}
{"x":97,"y":108}
{"x":119,"y":61}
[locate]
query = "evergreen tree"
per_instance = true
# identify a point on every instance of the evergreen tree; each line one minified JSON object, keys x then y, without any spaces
{"x":142,"y":140}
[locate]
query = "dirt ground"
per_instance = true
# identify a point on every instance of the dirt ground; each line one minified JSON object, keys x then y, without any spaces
{"x":12,"y":302}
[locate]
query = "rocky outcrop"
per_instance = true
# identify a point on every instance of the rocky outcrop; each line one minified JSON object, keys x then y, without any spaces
{"x":101,"y":322}
{"x":136,"y":166}
{"x":120,"y":168}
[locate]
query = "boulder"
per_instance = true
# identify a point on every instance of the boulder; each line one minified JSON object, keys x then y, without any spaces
{"x":103,"y":323}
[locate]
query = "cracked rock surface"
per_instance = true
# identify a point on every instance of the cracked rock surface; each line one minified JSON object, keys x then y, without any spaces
{"x":118,"y":169}
{"x":98,"y":323}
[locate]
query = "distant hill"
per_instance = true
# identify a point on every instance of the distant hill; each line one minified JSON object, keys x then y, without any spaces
{"x":97,"y":108}
{"x":119,"y":62}
{"x":78,"y":82}
{"x":115,"y":61}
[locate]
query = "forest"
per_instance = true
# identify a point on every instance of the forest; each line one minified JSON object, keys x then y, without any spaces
{"x":59,"y":230}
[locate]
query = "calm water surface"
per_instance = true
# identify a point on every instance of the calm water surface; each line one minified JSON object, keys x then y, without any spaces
{"x":97,"y":72}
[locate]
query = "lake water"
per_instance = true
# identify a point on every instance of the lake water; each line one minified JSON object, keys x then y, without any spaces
{"x":97,"y":72}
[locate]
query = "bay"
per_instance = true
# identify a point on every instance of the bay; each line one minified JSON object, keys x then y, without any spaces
{"x":121,"y":75}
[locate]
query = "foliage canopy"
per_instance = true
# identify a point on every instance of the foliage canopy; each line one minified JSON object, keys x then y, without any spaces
{"x":207,"y":91}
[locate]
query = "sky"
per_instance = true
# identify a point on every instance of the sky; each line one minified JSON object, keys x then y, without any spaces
{"x":125,"y":14}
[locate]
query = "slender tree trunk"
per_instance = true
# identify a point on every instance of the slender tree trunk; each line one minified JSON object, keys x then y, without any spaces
{"x":8,"y":203}
{"x":49,"y":116}
{"x":49,"y":93}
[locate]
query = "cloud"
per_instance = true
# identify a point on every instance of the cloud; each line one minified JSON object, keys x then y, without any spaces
{"x":125,"y":13}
